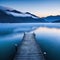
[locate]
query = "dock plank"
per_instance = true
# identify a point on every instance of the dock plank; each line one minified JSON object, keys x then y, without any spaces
{"x":29,"y":49}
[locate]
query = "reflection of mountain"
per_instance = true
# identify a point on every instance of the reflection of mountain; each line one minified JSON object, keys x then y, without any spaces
{"x":11,"y":16}
{"x":52,"y":18}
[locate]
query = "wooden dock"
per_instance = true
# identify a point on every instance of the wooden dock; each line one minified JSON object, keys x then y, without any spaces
{"x":29,"y":49}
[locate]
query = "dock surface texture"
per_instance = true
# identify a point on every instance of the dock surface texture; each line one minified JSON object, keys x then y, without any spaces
{"x":29,"y":49}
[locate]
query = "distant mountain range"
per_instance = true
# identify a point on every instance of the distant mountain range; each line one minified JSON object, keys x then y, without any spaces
{"x":55,"y":19}
{"x":9,"y":15}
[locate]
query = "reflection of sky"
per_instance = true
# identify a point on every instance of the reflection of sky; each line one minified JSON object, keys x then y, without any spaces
{"x":49,"y":40}
{"x":50,"y":34}
{"x":38,"y":7}
{"x":49,"y":30}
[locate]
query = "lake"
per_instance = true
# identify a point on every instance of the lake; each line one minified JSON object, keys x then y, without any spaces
{"x":47,"y":36}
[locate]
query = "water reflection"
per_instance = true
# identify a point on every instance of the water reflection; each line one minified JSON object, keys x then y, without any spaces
{"x":47,"y":36}
{"x":49,"y":41}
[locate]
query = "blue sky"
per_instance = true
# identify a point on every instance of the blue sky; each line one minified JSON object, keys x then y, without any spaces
{"x":38,"y":7}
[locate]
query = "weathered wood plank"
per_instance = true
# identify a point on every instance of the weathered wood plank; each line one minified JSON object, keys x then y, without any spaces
{"x":29,"y":49}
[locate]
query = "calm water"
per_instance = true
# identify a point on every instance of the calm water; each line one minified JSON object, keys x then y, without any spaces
{"x":47,"y":36}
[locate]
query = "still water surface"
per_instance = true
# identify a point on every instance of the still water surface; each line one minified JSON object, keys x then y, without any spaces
{"x":47,"y":36}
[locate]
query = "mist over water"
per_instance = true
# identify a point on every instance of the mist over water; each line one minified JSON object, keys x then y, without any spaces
{"x":47,"y":36}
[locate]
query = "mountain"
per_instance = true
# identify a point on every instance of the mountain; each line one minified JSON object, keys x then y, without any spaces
{"x":52,"y":18}
{"x":9,"y":15}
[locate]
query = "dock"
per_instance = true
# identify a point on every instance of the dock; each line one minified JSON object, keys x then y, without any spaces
{"x":29,"y":49}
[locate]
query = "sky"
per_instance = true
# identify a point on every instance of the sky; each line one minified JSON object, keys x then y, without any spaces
{"x":40,"y":8}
